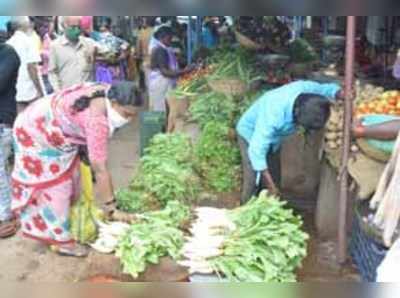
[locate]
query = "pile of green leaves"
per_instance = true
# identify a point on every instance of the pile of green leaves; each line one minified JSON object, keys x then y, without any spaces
{"x":165,"y":173}
{"x":157,"y":234}
{"x":217,"y":158}
{"x":213,"y":106}
{"x":301,"y":51}
{"x":267,"y":246}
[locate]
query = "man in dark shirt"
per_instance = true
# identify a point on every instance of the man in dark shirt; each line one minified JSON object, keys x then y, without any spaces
{"x":9,"y":65}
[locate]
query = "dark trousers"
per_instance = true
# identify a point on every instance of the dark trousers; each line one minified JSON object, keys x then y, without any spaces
{"x":249,"y":184}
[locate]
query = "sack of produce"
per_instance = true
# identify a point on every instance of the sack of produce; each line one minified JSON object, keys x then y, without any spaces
{"x":84,"y":213}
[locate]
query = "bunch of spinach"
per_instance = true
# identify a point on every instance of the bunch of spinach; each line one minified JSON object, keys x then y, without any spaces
{"x":217,"y":159}
{"x":165,"y":173}
{"x":157,"y":234}
{"x":213,"y":106}
{"x":267,"y":246}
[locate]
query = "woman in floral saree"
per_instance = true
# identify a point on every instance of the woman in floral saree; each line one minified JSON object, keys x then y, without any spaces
{"x":47,"y":136}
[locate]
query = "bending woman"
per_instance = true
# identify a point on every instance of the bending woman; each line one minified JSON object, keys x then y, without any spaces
{"x":47,"y":136}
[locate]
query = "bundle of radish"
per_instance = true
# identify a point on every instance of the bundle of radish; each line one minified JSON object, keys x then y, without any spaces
{"x":259,"y":242}
{"x":386,"y":199}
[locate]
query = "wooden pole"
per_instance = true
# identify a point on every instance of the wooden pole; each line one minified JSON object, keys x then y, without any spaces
{"x":344,"y":177}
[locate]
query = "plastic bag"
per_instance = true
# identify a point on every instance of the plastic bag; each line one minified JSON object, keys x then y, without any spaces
{"x":389,"y":270}
{"x":84,"y":213}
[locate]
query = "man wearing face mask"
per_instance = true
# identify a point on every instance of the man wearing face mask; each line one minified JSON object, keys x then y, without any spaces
{"x":277,"y":114}
{"x":47,"y":137}
{"x":28,"y":83}
{"x":71,"y":56}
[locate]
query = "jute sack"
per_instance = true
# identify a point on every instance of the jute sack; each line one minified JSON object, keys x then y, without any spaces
{"x":178,"y":108}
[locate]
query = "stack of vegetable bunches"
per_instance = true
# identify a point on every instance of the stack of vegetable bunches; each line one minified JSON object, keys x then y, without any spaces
{"x":155,"y":235}
{"x":233,"y":64}
{"x":261,"y":241}
{"x":212,"y":106}
{"x":166,"y":173}
{"x":217,"y":158}
{"x":301,"y":51}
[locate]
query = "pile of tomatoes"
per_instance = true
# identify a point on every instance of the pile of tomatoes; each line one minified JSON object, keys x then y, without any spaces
{"x":194,"y":75}
{"x":388,"y":104}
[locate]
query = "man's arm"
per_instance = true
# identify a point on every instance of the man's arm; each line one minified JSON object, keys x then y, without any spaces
{"x":54,"y":72}
{"x":330,"y":90}
{"x":260,"y":145}
{"x":34,"y":75}
{"x":8,"y":67}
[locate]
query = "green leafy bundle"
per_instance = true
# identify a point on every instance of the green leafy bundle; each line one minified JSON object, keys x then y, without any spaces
{"x":267,"y":246}
{"x":301,"y":51}
{"x":217,"y":159}
{"x":154,"y":236}
{"x":165,"y":173}
{"x":213,"y":106}
{"x":233,"y":64}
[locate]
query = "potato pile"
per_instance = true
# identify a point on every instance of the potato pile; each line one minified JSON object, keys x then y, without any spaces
{"x":334,"y":127}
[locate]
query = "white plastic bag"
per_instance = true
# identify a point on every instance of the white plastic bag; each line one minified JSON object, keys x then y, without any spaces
{"x":389,"y":270}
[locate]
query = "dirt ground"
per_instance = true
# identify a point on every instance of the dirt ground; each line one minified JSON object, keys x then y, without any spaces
{"x":25,"y":260}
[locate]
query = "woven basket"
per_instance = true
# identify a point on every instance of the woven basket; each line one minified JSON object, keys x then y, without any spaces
{"x":373,"y":152}
{"x":228,"y":86}
{"x":247,"y":42}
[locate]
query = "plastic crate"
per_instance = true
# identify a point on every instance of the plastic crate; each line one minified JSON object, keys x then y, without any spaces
{"x":151,"y":123}
{"x":367,"y":254}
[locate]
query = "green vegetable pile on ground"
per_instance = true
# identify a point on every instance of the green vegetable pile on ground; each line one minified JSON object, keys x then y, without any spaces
{"x":165,"y":173}
{"x":213,"y":106}
{"x":267,"y":246}
{"x":217,"y":158}
{"x":261,"y":241}
{"x":157,"y":234}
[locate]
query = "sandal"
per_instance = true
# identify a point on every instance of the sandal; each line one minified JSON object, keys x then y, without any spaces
{"x":9,"y":228}
{"x":76,"y":250}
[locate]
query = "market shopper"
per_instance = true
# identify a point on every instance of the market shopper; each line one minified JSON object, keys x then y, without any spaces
{"x":71,"y":57}
{"x":275,"y":115}
{"x":47,"y":136}
{"x":9,"y":65}
{"x":164,"y":70}
{"x":28,"y":83}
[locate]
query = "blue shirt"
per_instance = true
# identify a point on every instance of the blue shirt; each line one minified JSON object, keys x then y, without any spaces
{"x":3,"y":22}
{"x":270,"y":118}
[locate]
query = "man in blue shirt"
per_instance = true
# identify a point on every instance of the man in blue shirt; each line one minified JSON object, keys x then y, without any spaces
{"x":274,"y":116}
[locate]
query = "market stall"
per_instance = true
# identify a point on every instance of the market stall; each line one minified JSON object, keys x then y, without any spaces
{"x":181,"y":210}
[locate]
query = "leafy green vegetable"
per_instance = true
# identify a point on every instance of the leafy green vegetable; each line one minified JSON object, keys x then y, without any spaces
{"x":267,"y":246}
{"x":213,"y":106}
{"x":301,"y":51}
{"x":165,"y":173}
{"x":217,"y":158}
{"x":154,"y":236}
